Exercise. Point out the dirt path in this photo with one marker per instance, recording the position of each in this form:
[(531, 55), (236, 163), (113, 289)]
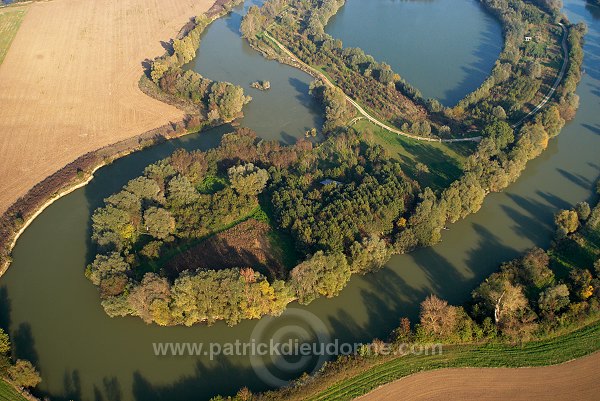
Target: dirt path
[(575, 380), (375, 121), (321, 76), (69, 83), (557, 82)]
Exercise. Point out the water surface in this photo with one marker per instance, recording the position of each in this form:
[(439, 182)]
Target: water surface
[(56, 320), (445, 48), (284, 112)]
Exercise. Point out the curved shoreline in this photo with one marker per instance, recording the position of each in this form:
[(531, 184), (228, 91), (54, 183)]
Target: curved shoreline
[(43, 207), (64, 190), (78, 173), (296, 62)]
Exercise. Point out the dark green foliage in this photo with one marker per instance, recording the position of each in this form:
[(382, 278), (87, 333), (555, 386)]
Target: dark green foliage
[(370, 194), (21, 373), (337, 110), (190, 196)]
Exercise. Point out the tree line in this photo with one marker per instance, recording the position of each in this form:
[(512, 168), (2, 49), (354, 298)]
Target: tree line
[(518, 75), (299, 25), (21, 373), (537, 296), (340, 228), (516, 79), (214, 101)]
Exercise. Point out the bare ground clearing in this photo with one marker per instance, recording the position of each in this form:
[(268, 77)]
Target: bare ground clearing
[(245, 245), (575, 380), (69, 83)]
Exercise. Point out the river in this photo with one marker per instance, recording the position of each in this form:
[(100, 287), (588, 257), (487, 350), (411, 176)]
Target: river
[(53, 310)]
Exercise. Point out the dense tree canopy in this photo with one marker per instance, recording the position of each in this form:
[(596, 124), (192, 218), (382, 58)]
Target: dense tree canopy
[(338, 227)]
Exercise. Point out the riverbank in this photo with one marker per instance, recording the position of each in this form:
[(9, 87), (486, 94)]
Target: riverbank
[(361, 376), (9, 393), (70, 178), (294, 61), (79, 173), (69, 86), (49, 258)]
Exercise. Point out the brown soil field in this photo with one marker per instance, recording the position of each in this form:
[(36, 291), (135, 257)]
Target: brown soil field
[(575, 380), (69, 83), (245, 245)]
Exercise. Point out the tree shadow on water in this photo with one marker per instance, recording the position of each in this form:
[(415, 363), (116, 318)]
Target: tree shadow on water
[(485, 258), (110, 391), (389, 296), (527, 227), (576, 179), (207, 381), (24, 344), (4, 309)]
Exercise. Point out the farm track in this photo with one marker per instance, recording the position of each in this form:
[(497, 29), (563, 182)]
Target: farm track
[(557, 82), (317, 74)]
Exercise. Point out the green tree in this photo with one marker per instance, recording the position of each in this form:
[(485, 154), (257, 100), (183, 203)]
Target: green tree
[(500, 133), (369, 255), (228, 100), (536, 268), (553, 300), (567, 222), (106, 265), (4, 343), (551, 120), (159, 222), (150, 298), (583, 210), (500, 298), (499, 112), (248, 179), (421, 168), (581, 283), (321, 274), (23, 374)]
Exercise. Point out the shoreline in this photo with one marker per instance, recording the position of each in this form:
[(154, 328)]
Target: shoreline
[(43, 207), (65, 185), (78, 173)]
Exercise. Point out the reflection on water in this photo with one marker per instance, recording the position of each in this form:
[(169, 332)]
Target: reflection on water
[(55, 318)]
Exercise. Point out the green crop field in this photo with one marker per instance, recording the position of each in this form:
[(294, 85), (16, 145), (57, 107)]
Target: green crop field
[(10, 20), (536, 353), (8, 393)]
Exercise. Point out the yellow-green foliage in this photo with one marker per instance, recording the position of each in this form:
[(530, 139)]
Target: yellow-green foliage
[(10, 20)]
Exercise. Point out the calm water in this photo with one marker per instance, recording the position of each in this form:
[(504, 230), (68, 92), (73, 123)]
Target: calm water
[(284, 112), (54, 313), (446, 48)]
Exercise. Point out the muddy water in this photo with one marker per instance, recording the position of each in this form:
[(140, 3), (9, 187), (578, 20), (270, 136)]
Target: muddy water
[(56, 320)]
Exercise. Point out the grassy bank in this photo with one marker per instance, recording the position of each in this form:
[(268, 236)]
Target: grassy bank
[(10, 21), (9, 393), (359, 378), (444, 160)]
